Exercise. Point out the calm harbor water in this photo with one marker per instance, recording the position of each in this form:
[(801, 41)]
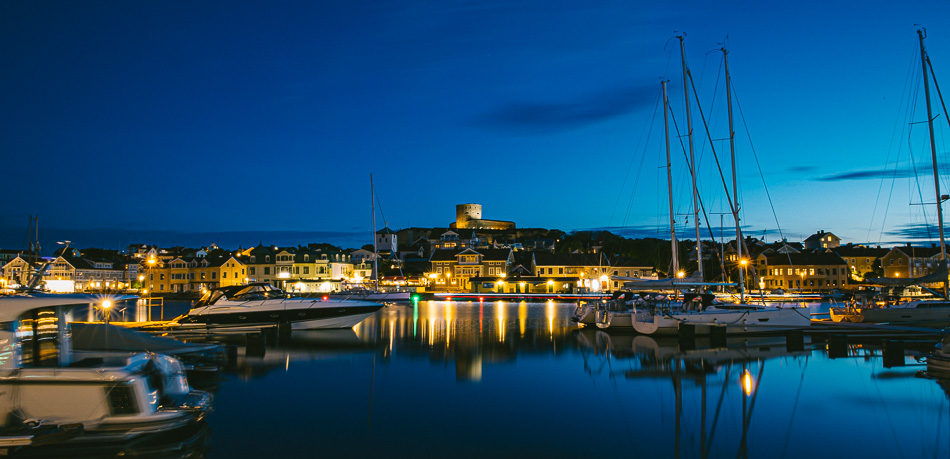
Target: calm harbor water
[(447, 379)]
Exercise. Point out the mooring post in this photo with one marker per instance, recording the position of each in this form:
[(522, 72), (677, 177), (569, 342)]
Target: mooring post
[(837, 345), (893, 353), (795, 341), (687, 336)]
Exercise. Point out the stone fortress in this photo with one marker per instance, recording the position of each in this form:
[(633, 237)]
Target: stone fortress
[(469, 216)]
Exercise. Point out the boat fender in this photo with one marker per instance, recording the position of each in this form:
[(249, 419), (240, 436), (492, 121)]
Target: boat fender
[(174, 381)]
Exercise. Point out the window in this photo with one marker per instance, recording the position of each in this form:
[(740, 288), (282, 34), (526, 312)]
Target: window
[(224, 274), (306, 270), (161, 276), (266, 270), (266, 258), (550, 270), (252, 270), (214, 275)]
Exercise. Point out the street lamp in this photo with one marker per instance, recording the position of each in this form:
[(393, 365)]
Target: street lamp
[(106, 310)]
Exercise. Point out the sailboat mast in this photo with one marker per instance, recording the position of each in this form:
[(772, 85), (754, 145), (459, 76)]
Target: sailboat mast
[(372, 202), (735, 189), (669, 181), (692, 160), (933, 152)]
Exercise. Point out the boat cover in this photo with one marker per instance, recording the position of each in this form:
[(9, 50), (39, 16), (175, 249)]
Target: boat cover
[(106, 337)]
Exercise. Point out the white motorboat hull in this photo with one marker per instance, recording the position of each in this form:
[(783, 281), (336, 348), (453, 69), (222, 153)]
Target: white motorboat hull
[(333, 322)]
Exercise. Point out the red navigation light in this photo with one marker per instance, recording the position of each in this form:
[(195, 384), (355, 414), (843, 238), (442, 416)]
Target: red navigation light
[(481, 298), (325, 297)]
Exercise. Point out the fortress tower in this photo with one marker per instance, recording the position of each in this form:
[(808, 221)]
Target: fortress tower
[(469, 216), (464, 213)]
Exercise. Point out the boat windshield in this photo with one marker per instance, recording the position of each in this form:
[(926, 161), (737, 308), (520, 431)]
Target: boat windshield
[(258, 292)]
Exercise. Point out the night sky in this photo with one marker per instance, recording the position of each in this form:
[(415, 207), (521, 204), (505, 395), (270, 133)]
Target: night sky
[(244, 122)]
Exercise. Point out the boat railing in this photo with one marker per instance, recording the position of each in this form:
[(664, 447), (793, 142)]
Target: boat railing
[(146, 303)]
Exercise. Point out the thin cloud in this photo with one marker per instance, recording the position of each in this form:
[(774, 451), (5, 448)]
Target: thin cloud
[(801, 168), (916, 231), (904, 172), (543, 116)]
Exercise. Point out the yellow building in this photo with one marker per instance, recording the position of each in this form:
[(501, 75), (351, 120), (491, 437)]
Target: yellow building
[(191, 274), (808, 272), (452, 270)]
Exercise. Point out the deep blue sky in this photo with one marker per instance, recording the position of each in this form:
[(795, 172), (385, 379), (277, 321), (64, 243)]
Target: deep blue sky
[(131, 122)]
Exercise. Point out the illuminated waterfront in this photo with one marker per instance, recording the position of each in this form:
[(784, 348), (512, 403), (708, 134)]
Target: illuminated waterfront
[(513, 379)]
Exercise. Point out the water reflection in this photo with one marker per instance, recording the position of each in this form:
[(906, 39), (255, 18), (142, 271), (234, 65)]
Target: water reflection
[(468, 333), (509, 379)]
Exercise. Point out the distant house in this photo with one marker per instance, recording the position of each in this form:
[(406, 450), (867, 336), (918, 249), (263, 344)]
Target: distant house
[(822, 240)]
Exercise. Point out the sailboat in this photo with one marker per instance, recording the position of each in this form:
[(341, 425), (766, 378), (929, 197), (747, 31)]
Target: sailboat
[(374, 294), (701, 311), (920, 312)]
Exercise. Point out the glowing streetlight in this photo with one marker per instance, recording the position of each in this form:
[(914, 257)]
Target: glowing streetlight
[(106, 309)]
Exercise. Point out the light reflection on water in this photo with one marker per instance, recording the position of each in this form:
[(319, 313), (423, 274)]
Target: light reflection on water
[(440, 379)]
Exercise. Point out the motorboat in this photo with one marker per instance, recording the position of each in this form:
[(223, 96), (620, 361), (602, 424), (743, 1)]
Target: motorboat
[(262, 304), (114, 396)]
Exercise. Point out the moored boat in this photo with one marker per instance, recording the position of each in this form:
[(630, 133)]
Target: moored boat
[(114, 396), (260, 304)]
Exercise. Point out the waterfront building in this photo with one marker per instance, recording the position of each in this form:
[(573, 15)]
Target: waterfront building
[(451, 270), (628, 268), (82, 274), (576, 268), (361, 255), (806, 271), (908, 261), (262, 265), (7, 255), (17, 272), (861, 260), (191, 274)]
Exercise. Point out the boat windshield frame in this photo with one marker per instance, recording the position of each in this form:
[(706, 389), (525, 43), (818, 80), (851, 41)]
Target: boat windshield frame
[(244, 292)]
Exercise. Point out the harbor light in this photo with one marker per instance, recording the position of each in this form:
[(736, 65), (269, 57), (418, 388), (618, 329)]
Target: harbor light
[(680, 274)]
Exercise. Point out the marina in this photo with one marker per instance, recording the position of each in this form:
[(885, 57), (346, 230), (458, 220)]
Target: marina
[(522, 375), (608, 230)]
